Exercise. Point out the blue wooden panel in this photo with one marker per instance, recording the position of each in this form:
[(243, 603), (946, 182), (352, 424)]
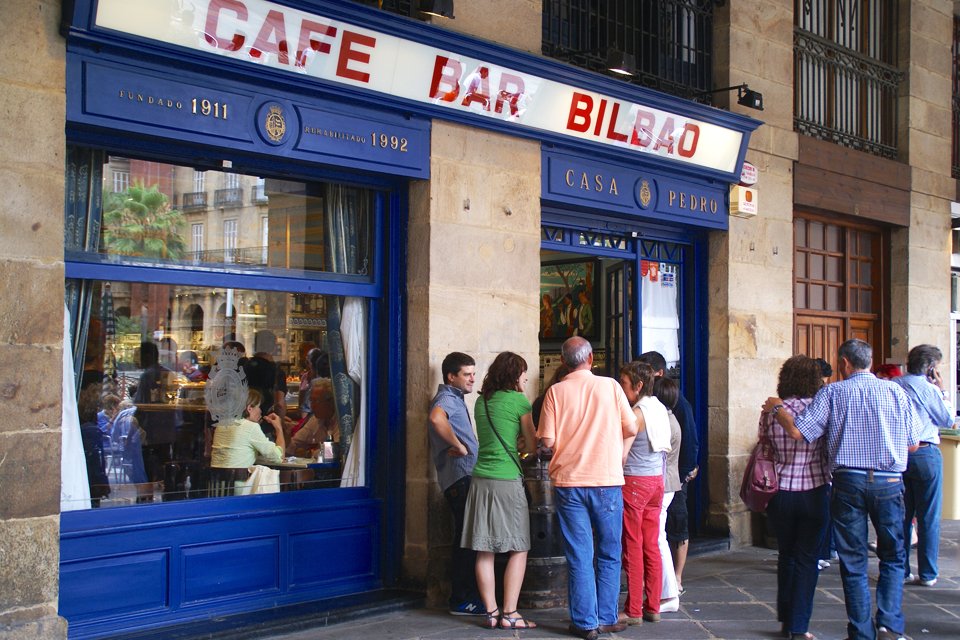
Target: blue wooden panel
[(229, 569), (212, 112), (633, 190), (316, 557), (115, 584), (196, 559)]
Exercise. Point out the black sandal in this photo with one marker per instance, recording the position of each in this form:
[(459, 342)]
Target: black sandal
[(493, 618), (514, 622)]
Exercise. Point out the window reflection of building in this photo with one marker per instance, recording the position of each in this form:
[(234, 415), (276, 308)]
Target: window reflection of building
[(229, 240), (196, 240), (309, 228)]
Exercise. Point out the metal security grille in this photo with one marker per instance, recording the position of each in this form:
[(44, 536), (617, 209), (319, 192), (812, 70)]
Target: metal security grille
[(408, 8), (846, 79), (955, 156), (671, 40)]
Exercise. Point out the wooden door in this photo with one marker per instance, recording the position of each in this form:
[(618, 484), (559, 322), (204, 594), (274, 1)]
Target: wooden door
[(819, 337)]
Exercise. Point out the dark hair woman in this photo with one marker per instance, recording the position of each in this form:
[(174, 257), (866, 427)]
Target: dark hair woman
[(238, 443), (497, 519), (799, 509), (643, 496)]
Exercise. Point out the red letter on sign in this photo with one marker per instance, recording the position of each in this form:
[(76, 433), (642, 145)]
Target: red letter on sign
[(688, 140), (309, 28), (478, 89), (665, 137), (213, 18), (446, 72), (643, 128), (612, 134), (580, 108), (348, 53), (511, 88), (272, 38)]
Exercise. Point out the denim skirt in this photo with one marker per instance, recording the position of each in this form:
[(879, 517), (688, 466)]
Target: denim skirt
[(496, 518)]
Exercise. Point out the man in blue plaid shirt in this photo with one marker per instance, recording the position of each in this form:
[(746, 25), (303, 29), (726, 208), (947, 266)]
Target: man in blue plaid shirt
[(870, 425)]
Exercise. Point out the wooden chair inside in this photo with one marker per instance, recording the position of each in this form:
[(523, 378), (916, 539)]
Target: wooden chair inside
[(223, 481)]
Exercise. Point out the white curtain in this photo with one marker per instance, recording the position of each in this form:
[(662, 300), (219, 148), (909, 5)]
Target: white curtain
[(353, 328), (74, 489)]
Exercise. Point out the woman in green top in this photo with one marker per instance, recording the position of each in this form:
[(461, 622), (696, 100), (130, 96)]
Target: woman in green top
[(497, 519)]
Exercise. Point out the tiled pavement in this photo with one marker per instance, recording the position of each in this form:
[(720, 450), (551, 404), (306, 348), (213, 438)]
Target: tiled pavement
[(729, 595)]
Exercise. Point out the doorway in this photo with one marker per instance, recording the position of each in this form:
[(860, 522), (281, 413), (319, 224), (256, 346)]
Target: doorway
[(628, 291)]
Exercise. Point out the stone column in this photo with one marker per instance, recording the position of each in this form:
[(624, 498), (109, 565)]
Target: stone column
[(751, 266), (31, 310), (472, 285), (473, 276), (920, 254)]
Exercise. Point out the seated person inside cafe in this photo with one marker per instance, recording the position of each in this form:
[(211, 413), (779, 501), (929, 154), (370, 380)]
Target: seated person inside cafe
[(320, 426), (238, 443)]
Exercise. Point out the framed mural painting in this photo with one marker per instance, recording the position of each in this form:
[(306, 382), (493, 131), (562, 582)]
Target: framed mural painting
[(568, 300)]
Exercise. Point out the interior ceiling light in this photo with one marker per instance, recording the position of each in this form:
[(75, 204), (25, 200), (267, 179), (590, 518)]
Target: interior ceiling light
[(440, 8), (621, 63)]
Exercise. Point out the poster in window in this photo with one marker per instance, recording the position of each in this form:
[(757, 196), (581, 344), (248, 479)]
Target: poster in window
[(568, 300)]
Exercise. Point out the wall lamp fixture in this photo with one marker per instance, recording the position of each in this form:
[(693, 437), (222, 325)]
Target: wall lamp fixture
[(746, 96), (440, 8)]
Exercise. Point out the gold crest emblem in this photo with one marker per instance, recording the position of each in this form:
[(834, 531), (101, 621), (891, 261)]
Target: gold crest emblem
[(275, 124), (645, 193)]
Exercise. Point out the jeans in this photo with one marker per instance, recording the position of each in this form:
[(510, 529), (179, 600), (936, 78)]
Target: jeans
[(463, 575), (800, 519), (857, 496), (923, 494), (592, 516), (642, 500)]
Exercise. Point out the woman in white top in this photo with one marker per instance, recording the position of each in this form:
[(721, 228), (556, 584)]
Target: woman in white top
[(667, 392), (237, 444), (643, 496)]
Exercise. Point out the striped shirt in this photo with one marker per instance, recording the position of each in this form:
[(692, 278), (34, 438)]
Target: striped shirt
[(868, 423), (801, 465)]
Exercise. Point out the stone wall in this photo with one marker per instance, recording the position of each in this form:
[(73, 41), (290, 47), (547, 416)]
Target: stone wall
[(473, 276), (920, 255), (31, 310), (751, 265), (514, 23), (472, 285)]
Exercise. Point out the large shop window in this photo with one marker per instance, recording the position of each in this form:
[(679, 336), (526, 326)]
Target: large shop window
[(183, 340)]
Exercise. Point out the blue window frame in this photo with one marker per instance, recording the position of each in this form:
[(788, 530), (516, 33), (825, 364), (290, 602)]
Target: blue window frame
[(280, 288)]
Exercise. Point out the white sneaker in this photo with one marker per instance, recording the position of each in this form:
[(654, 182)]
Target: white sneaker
[(823, 564), (912, 579)]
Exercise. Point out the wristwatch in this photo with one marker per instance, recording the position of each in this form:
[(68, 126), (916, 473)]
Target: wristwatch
[(776, 409)]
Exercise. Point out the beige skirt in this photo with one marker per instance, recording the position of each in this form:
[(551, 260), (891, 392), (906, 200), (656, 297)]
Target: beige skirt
[(496, 517)]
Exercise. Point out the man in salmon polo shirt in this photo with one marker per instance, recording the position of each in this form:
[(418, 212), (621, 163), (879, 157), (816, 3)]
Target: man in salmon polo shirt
[(588, 422)]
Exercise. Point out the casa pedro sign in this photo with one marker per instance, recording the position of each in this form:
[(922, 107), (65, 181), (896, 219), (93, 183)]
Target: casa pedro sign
[(279, 37)]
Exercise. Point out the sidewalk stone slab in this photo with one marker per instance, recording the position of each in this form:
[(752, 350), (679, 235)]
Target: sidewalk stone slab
[(730, 596)]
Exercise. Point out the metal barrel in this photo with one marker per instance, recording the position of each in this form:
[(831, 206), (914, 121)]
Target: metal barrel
[(545, 581)]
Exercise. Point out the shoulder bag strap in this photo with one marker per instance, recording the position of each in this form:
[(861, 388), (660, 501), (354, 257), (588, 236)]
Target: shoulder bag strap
[(496, 433), (766, 441)]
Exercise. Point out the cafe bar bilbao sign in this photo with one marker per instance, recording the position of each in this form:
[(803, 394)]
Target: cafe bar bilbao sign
[(279, 37)]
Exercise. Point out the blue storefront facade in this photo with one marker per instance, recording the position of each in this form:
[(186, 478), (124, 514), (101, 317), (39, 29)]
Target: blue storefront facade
[(314, 118)]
